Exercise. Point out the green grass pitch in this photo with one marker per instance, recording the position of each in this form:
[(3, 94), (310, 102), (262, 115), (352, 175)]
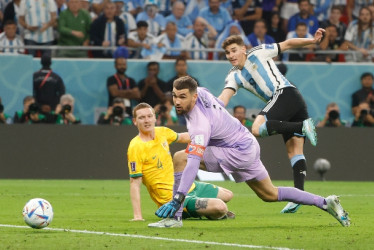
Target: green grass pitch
[(104, 206)]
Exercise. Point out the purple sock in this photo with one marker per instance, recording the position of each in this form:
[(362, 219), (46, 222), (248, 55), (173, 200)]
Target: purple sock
[(177, 180), (300, 197)]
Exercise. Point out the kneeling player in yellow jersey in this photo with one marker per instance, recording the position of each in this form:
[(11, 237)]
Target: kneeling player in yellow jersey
[(150, 163)]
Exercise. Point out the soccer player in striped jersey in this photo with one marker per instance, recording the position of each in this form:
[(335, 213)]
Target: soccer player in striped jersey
[(285, 112), (150, 163)]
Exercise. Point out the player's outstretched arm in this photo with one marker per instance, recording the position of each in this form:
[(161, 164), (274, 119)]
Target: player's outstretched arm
[(135, 184), (183, 138), (301, 42), (226, 95)]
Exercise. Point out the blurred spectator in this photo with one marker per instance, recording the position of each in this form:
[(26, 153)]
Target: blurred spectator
[(48, 87), (156, 22), (65, 110), (11, 12), (363, 102), (342, 4), (269, 7), (1, 13), (334, 19), (127, 18), (140, 39), (304, 16), (247, 12), (332, 117), (289, 8), (354, 8), (193, 8), (227, 4), (216, 15), (61, 6), (171, 40), (122, 86), (165, 7), (364, 117), (240, 112), (32, 113), (321, 9), (74, 27), (152, 89), (10, 38), (38, 27), (371, 8), (115, 114), (166, 114), (183, 23), (200, 39), (86, 5), (134, 7), (233, 28), (259, 35), (360, 37), (300, 32), (275, 28), (4, 118), (181, 68), (22, 116), (98, 6), (107, 30), (330, 42)]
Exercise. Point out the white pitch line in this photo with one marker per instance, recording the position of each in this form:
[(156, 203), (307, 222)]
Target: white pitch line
[(152, 238)]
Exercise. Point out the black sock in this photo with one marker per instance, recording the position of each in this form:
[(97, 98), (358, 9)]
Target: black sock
[(282, 127), (299, 173)]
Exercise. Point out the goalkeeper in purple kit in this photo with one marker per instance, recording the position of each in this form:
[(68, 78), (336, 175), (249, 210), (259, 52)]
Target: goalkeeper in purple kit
[(219, 143)]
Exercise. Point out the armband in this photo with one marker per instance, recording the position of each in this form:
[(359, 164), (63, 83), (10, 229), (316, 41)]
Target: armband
[(197, 150)]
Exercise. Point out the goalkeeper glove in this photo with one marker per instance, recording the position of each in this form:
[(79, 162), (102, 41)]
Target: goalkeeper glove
[(169, 209)]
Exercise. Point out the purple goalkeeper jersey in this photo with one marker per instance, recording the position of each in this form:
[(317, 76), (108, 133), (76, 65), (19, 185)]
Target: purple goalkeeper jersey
[(211, 127), (210, 124)]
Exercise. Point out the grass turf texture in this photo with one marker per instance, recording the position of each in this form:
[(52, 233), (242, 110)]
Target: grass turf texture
[(104, 206)]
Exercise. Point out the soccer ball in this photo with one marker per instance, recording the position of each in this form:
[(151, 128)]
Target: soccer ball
[(38, 213), (322, 165)]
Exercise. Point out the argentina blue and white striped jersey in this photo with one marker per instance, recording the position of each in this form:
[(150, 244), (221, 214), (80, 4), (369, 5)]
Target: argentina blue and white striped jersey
[(259, 75), (192, 42), (17, 41), (129, 22), (37, 13)]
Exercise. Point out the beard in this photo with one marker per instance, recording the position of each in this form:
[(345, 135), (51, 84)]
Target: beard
[(121, 71), (184, 111)]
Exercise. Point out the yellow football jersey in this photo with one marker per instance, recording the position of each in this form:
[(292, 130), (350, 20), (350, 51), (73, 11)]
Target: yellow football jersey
[(152, 160)]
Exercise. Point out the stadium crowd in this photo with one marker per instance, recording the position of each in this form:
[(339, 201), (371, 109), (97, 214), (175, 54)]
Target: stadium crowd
[(155, 29)]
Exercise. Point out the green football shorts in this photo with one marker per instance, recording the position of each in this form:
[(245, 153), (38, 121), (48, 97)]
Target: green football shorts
[(202, 190)]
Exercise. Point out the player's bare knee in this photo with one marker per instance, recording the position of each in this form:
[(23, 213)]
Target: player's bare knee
[(218, 208), (225, 194), (179, 161), (221, 208)]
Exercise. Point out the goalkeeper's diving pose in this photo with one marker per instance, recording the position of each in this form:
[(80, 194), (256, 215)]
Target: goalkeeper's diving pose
[(219, 143)]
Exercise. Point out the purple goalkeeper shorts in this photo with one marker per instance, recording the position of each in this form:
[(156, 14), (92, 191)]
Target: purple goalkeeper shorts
[(243, 163)]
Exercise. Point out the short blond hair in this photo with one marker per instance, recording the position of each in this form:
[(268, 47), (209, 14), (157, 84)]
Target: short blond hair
[(142, 105)]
